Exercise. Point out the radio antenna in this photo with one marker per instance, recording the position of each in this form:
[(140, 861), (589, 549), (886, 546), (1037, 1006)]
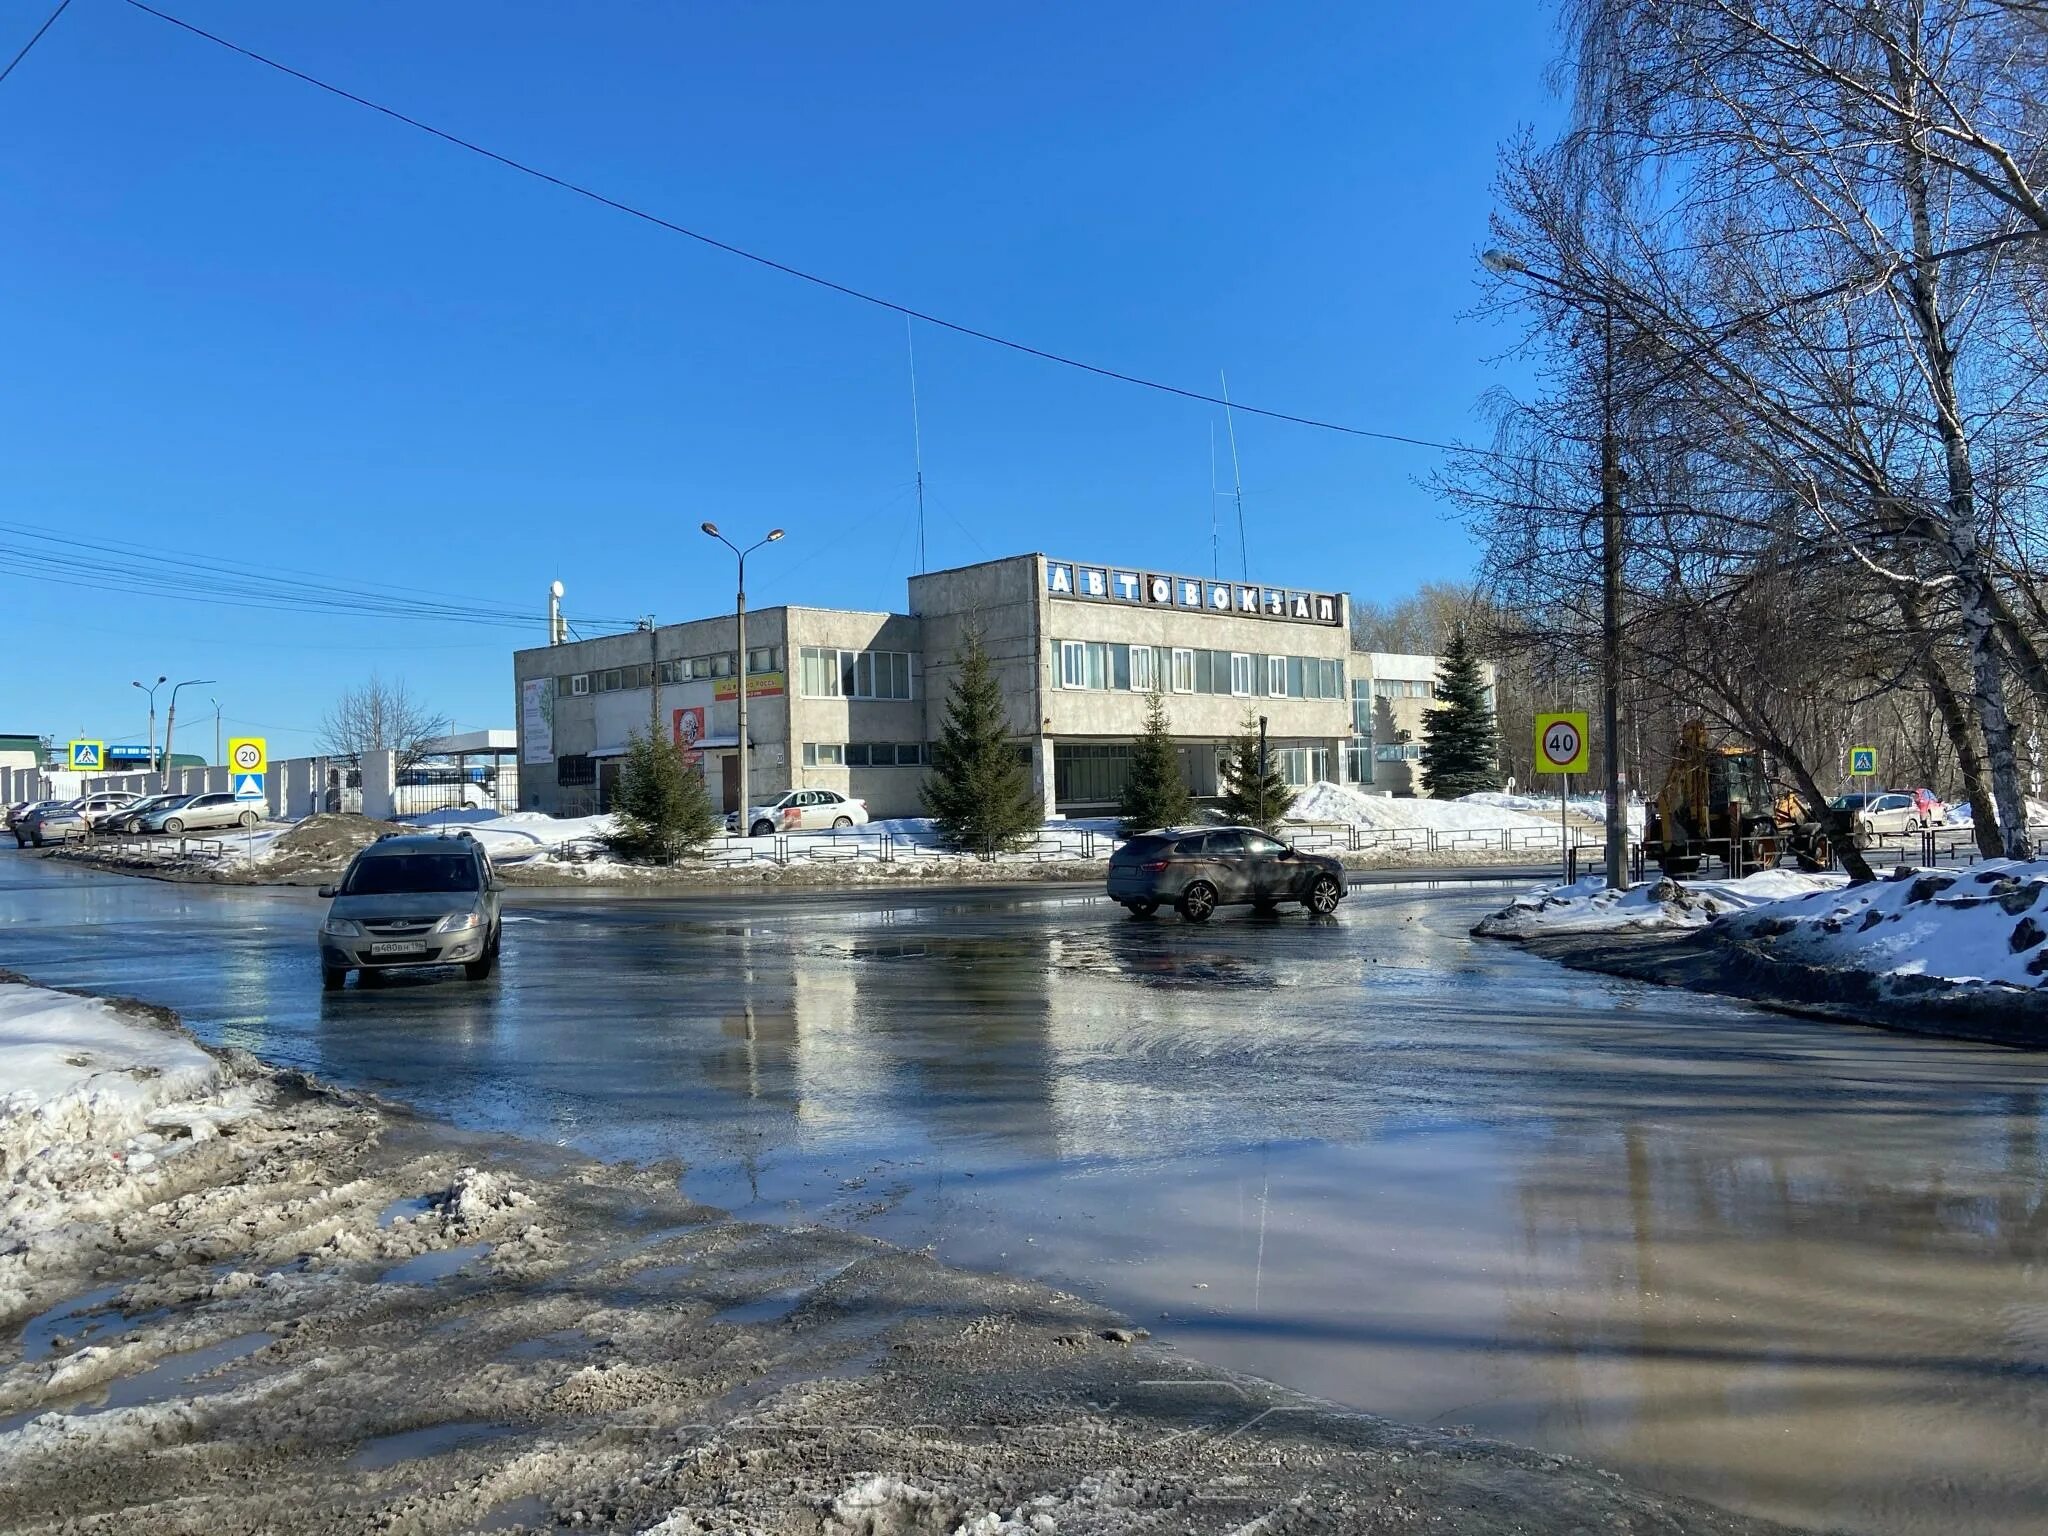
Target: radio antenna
[(1215, 542), (1244, 555), (916, 440)]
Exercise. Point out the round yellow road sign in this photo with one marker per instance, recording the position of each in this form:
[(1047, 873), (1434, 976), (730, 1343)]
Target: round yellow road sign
[(1561, 743), (249, 754)]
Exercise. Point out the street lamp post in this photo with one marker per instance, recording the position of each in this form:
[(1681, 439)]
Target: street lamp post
[(1507, 264), (150, 689), (740, 692), (216, 729), (171, 717)]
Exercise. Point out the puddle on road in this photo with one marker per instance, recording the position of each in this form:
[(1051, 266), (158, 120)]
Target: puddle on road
[(405, 1209), (437, 1265), (774, 1306), (77, 1319), (173, 1377), (430, 1440)]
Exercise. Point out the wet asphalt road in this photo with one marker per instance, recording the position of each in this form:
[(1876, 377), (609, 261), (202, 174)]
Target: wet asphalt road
[(1794, 1268)]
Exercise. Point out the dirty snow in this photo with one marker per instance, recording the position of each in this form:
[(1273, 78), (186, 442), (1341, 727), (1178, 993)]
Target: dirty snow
[(1982, 925), (1590, 907), (1592, 807), (1347, 803)]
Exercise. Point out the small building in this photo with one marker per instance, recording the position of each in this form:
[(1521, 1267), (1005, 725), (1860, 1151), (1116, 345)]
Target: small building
[(851, 701), (1393, 693), (21, 751)]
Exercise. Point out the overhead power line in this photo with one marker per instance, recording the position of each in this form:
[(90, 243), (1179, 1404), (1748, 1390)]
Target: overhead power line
[(830, 284), (48, 22)]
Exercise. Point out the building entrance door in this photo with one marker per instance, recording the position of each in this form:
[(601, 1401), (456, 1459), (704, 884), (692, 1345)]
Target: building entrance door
[(729, 771)]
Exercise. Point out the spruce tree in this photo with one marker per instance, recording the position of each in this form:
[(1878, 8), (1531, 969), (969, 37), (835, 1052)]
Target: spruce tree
[(662, 809), (1458, 736), (1249, 798), (979, 792), (1155, 795)]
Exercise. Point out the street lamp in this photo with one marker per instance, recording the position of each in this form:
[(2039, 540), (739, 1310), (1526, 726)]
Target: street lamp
[(216, 729), (740, 615), (154, 765), (171, 717), (1508, 265)]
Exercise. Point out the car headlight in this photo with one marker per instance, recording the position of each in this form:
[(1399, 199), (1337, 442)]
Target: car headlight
[(342, 928), (459, 922)]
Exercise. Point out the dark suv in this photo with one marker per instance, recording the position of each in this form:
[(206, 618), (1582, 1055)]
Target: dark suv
[(412, 900), (1197, 870)]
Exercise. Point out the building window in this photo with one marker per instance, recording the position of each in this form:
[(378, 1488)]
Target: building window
[(1276, 676), (575, 771), (1073, 664), (1085, 773), (828, 673), (1143, 661), (1406, 752), (824, 754), (1183, 671), (762, 659), (580, 683), (1358, 762), (1361, 714), (1241, 675)]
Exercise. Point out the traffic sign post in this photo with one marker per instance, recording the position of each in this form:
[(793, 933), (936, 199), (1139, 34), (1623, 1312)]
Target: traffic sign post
[(1863, 765), (1561, 747), (88, 756), (249, 754)]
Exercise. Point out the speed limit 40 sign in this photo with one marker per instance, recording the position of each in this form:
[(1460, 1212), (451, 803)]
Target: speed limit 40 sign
[(249, 754), (1561, 743)]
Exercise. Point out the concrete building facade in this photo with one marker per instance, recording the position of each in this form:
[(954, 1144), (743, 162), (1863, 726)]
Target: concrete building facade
[(851, 701)]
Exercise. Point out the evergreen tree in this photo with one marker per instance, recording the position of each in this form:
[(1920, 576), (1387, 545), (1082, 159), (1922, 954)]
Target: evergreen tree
[(1249, 798), (662, 808), (979, 791), (1155, 795), (1459, 740)]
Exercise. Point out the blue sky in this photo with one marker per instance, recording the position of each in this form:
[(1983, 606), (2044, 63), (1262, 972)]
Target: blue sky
[(241, 317)]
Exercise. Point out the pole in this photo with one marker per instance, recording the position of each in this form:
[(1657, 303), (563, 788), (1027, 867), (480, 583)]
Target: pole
[(1610, 615), (653, 682), (1262, 763), (740, 617), (216, 730), (1564, 835)]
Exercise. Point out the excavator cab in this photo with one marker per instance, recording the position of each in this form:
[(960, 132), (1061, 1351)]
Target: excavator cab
[(1716, 803)]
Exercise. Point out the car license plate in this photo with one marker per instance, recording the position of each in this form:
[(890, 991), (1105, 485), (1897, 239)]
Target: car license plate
[(399, 947)]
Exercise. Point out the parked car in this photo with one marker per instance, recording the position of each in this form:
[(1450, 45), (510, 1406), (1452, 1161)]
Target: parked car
[(1895, 812), (57, 820), (802, 810), (201, 813), (130, 819), (412, 899), (106, 807), (1195, 870), (19, 813)]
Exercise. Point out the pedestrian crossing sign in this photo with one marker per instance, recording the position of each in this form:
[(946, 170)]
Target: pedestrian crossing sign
[(248, 786), (1863, 762), (88, 756)]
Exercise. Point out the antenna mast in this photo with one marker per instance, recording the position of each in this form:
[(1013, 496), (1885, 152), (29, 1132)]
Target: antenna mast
[(1244, 555), (916, 439), (1215, 543)]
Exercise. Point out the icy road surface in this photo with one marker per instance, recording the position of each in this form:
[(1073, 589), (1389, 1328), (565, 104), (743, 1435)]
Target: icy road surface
[(1796, 1269)]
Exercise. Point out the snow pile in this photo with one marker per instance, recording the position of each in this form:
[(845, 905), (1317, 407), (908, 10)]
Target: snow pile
[(510, 836), (92, 1103), (1986, 925), (1593, 807), (1343, 802), (1590, 907)]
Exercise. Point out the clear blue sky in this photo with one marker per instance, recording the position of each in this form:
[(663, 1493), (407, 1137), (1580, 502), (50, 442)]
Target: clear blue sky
[(239, 315)]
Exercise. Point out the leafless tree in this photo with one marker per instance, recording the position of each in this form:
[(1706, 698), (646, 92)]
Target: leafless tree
[(381, 717)]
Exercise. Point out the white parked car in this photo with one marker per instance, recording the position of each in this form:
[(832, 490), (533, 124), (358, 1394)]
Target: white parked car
[(204, 813), (802, 810), (1887, 815)]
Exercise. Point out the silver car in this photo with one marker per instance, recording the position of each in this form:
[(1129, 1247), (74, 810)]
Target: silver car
[(131, 819), (61, 820), (202, 813), (412, 899)]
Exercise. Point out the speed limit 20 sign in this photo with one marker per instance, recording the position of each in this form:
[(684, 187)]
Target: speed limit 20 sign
[(249, 754), (1561, 743)]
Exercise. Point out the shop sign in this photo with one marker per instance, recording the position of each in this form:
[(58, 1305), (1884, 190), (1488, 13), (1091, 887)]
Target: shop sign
[(760, 685), (1151, 589)]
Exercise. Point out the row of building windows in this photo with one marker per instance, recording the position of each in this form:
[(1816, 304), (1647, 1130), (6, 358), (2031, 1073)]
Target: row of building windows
[(1402, 688), (760, 659), (1144, 668), (864, 754), (835, 674)]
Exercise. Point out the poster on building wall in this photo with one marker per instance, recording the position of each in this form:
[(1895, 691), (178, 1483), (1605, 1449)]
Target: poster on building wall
[(760, 685), (537, 720), (689, 725)]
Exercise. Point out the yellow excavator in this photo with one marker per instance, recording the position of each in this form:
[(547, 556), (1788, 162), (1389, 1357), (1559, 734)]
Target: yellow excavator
[(1717, 803)]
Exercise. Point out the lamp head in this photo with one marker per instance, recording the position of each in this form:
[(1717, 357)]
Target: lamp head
[(712, 529), (555, 588), (1505, 263), (774, 534)]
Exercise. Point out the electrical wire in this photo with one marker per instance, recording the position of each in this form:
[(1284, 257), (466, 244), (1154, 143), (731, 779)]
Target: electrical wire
[(830, 284), (48, 22)]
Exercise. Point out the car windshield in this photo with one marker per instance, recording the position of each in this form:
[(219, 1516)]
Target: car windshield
[(394, 874), (1850, 802)]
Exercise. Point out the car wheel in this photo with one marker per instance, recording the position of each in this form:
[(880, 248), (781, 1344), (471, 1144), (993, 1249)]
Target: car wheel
[(333, 977), (38, 839), (763, 829), (175, 827), (248, 818), (1197, 902), (1324, 895), (1142, 908), (843, 824)]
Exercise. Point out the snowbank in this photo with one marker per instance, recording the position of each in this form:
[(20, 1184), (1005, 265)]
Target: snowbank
[(1594, 807), (1986, 925), (1343, 802), (510, 836), (1590, 907)]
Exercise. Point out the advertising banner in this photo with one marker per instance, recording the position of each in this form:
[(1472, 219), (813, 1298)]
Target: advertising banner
[(760, 685), (689, 724), (537, 720)]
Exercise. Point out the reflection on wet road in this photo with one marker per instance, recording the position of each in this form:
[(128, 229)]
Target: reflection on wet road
[(1793, 1268)]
